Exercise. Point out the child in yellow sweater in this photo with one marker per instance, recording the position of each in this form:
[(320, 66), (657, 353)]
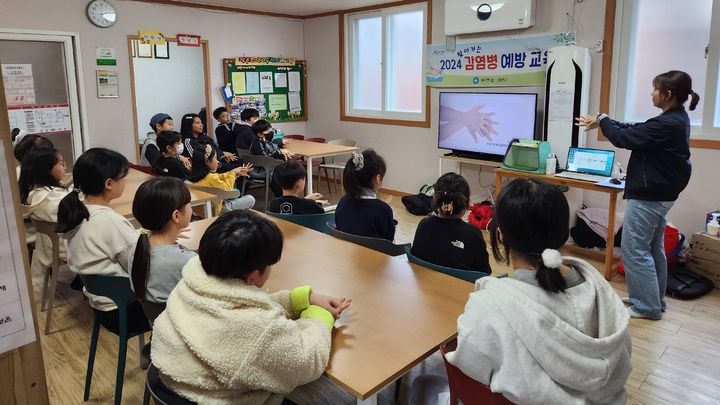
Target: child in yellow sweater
[(204, 173)]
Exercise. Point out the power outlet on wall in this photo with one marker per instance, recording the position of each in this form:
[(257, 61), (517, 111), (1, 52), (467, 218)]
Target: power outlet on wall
[(599, 46)]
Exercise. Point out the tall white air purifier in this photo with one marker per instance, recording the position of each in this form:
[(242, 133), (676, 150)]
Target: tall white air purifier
[(567, 90)]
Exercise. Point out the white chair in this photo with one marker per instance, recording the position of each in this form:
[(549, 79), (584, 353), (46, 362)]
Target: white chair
[(335, 166)]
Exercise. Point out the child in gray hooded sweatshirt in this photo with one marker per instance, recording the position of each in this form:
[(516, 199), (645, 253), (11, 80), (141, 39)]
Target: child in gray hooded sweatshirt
[(554, 332)]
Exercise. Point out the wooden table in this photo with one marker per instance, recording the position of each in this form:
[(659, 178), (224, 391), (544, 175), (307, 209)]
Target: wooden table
[(586, 185), (135, 178), (400, 314), (311, 150)]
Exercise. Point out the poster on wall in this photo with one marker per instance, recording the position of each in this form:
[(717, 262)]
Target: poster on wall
[(19, 84), (16, 322), (239, 103), (40, 119), (518, 61), (107, 84)]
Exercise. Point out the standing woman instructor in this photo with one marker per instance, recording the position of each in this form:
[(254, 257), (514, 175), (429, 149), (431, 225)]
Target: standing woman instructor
[(659, 169)]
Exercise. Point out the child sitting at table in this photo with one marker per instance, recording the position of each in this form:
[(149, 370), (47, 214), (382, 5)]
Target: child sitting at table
[(98, 238), (26, 144), (555, 331), (291, 176), (359, 212), (41, 176), (444, 238), (162, 206), (224, 339), (168, 164), (204, 173)]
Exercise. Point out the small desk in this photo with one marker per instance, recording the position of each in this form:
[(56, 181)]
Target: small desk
[(135, 178), (400, 314), (586, 185), (459, 160), (311, 150)]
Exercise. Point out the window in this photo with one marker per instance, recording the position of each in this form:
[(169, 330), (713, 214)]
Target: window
[(654, 36), (383, 65)]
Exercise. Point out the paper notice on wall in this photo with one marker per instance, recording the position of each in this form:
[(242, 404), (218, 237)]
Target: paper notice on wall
[(253, 82), (266, 82), (238, 82), (107, 84), (281, 80), (277, 102), (560, 105), (294, 101), (40, 119), (294, 79), (19, 84), (16, 323)]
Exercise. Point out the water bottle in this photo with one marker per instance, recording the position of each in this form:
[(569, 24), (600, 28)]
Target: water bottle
[(550, 163)]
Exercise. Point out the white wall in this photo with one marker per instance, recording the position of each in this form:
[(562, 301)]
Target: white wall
[(411, 153), (153, 95), (229, 35)]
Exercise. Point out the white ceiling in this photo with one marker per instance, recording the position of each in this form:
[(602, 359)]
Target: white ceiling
[(294, 7)]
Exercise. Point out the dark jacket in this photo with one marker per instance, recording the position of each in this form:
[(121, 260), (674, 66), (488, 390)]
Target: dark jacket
[(659, 167), (226, 135), (245, 137)]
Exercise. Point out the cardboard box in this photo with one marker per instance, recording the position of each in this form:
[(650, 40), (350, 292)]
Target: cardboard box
[(704, 268), (704, 246)]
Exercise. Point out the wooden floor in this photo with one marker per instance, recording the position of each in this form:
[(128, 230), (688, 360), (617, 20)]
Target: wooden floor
[(675, 360)]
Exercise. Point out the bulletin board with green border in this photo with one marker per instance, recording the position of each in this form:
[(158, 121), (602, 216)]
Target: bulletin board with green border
[(250, 79)]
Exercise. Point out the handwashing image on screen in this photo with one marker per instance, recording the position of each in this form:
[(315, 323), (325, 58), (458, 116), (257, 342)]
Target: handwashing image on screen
[(485, 122)]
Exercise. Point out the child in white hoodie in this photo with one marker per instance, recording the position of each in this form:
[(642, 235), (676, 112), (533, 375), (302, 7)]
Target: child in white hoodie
[(554, 332), (223, 339)]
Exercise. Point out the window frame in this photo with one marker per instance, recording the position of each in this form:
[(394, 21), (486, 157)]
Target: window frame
[(616, 49), (347, 112)]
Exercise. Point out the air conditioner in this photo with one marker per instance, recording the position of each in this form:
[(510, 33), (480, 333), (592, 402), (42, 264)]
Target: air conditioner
[(470, 16)]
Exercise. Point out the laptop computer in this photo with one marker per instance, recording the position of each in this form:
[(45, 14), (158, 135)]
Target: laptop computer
[(588, 164)]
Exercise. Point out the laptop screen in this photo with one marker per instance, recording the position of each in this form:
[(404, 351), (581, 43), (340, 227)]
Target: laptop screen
[(591, 161)]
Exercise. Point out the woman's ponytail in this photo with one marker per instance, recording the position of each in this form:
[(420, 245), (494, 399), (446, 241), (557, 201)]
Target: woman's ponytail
[(71, 212), (141, 265), (694, 100)]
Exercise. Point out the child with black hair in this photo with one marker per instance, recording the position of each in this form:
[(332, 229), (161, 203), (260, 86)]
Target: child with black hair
[(223, 338), (444, 238), (168, 164), (359, 212), (150, 152), (41, 176), (291, 177), (27, 143), (204, 173), (262, 144), (162, 206), (554, 332), (227, 132), (98, 238)]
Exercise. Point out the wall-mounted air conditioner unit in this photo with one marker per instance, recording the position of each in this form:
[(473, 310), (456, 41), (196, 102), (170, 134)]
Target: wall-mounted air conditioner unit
[(470, 16)]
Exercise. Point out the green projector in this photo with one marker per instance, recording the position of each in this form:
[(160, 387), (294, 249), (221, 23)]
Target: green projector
[(526, 155)]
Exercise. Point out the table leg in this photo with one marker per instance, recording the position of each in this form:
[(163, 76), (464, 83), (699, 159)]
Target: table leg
[(208, 209), (498, 185), (440, 173), (610, 237), (309, 185)]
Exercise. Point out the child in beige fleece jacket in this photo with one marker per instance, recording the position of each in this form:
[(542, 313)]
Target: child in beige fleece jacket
[(223, 339)]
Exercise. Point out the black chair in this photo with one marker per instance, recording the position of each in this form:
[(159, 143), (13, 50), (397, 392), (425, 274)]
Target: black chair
[(379, 244), (266, 163), (161, 394)]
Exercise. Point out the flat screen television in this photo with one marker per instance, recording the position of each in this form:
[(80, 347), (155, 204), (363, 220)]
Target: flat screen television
[(481, 125)]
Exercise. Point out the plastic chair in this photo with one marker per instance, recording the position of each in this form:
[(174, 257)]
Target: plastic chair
[(152, 310), (335, 166), (145, 169), (466, 275), (317, 222), (379, 244), (119, 291), (298, 137), (464, 388), (160, 394), (219, 193), (48, 229), (266, 163)]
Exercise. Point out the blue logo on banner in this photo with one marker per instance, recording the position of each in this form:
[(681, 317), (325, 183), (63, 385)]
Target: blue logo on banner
[(476, 80)]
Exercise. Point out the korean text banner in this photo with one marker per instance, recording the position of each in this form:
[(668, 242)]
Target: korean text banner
[(519, 61)]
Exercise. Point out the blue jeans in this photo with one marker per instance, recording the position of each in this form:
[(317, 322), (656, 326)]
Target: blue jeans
[(643, 248)]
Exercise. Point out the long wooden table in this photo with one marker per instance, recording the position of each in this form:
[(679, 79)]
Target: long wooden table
[(135, 178), (311, 150), (400, 314), (586, 185)]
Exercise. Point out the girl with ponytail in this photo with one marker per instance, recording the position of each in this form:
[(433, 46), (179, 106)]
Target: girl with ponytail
[(658, 171), (98, 238), (552, 332), (444, 238), (162, 206), (359, 212)]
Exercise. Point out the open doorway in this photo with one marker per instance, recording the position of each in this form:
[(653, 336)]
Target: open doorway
[(167, 78)]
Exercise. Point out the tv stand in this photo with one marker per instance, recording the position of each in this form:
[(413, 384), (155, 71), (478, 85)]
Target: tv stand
[(461, 159)]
